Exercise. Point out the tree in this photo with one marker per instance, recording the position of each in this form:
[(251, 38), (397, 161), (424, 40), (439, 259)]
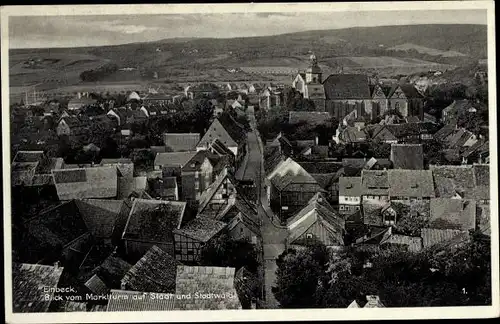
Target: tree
[(433, 152), (225, 251), (300, 276), (142, 158)]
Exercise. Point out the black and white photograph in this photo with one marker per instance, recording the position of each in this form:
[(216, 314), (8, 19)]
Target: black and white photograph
[(249, 161)]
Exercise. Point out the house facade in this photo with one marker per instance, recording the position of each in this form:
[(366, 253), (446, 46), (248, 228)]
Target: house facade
[(349, 194)]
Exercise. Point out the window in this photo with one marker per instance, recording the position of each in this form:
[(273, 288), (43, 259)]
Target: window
[(197, 185), (341, 207), (309, 236), (389, 219)]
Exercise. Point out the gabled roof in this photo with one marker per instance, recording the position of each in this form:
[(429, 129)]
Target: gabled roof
[(218, 147), (310, 117), (347, 86), (207, 195), (201, 229), (447, 213), (233, 128), (317, 210), (195, 163), (410, 183), (216, 130), (58, 226), (81, 183), (154, 220), (178, 142), (154, 272), (296, 183), (407, 156), (410, 243), (408, 89), (137, 301), (175, 159), (28, 284), (246, 220), (273, 156), (373, 301), (216, 280), (450, 180), (350, 186), (100, 215), (354, 304), (351, 134)]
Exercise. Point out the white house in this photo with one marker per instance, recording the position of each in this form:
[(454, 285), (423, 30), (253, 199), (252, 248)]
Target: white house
[(349, 194)]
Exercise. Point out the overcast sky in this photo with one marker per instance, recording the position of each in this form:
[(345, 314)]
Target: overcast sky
[(73, 31)]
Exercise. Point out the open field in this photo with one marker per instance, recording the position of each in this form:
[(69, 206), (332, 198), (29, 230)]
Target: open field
[(425, 50)]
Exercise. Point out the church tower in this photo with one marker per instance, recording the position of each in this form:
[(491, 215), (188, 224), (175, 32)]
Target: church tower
[(313, 72)]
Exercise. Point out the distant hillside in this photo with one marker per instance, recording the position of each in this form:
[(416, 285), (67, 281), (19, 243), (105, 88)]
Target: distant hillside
[(397, 49)]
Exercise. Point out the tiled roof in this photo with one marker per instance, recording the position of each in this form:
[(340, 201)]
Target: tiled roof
[(28, 156), (413, 244), (450, 180), (154, 220), (96, 285), (217, 146), (58, 226), (373, 302), (154, 272), (372, 212), (135, 301), (410, 183), (207, 195), (317, 210), (246, 285), (22, 173), (351, 134), (482, 182), (408, 89), (112, 270), (407, 156), (94, 182), (433, 236), (297, 183), (206, 280), (28, 284), (350, 186), (233, 128), (177, 159), (69, 306), (194, 164), (178, 142), (273, 155), (447, 213), (375, 182), (201, 229), (347, 86), (310, 117), (100, 215)]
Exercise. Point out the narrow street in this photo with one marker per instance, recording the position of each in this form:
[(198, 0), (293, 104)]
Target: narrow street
[(273, 235)]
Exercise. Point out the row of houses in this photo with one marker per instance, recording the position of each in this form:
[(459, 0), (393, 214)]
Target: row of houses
[(156, 242)]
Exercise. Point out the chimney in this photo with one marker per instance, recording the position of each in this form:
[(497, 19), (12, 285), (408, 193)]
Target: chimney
[(79, 95)]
